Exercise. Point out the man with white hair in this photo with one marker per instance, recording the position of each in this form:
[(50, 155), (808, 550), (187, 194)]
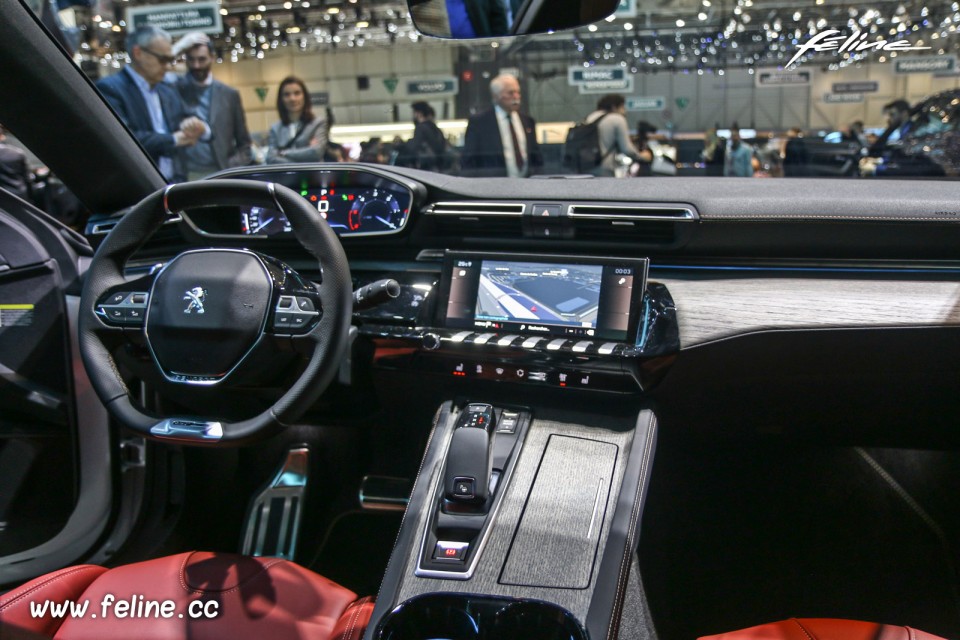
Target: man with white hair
[(151, 109), (215, 103), (501, 141)]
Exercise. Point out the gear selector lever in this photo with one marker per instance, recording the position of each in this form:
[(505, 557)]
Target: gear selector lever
[(466, 479)]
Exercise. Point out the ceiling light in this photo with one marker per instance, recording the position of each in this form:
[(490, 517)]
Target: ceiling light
[(224, 12), (363, 24), (333, 10), (628, 26), (680, 23)]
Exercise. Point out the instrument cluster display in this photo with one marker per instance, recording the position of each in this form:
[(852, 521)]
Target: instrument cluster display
[(353, 202), (347, 211)]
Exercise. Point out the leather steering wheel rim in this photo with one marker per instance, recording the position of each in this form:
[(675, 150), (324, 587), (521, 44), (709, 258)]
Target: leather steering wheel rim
[(330, 336)]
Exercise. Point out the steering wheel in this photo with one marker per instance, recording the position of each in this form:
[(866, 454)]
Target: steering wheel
[(207, 310)]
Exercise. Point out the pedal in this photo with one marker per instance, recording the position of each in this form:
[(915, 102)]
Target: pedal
[(383, 493), (273, 520)]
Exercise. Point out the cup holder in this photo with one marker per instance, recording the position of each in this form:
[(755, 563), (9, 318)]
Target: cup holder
[(448, 616)]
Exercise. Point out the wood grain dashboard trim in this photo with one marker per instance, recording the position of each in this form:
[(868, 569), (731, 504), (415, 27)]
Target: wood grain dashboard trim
[(711, 309)]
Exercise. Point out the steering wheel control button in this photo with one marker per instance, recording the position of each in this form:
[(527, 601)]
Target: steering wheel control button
[(294, 315), (123, 308), (207, 311), (451, 551), (465, 488)]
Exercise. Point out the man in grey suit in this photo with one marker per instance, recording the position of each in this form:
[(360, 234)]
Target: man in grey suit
[(214, 103)]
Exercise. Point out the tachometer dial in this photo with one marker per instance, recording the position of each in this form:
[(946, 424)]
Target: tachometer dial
[(375, 210)]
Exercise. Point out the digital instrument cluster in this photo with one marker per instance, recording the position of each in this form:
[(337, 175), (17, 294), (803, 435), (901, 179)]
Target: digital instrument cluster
[(348, 210)]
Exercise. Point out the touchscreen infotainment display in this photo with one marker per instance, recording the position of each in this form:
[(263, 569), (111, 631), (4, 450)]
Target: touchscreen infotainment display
[(587, 298)]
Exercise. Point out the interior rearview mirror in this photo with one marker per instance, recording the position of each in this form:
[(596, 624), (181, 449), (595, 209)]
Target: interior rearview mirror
[(464, 19)]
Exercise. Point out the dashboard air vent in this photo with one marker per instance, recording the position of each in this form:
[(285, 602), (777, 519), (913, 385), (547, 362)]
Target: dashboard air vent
[(651, 224), (476, 209), (478, 219), (632, 212)]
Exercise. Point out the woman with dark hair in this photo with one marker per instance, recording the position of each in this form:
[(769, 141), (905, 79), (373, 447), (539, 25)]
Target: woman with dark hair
[(300, 136), (613, 133)]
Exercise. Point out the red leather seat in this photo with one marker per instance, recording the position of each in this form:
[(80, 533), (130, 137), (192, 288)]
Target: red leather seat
[(824, 629), (196, 595)]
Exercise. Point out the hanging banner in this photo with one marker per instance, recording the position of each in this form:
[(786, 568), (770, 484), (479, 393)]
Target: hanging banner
[(775, 78), (177, 19), (650, 103), (842, 98)]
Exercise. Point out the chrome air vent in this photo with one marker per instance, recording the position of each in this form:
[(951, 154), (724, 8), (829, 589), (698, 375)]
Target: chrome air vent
[(632, 212), (478, 219), (651, 224), (476, 209)]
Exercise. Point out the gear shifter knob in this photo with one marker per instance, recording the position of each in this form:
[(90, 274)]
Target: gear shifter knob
[(467, 475)]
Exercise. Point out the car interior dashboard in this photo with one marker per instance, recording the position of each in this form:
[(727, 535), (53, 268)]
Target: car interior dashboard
[(552, 329)]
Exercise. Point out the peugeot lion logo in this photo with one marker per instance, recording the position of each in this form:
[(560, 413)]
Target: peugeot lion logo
[(196, 296)]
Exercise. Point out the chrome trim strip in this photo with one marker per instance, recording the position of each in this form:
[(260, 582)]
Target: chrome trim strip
[(187, 430), (476, 208), (166, 199), (684, 214), (103, 228)]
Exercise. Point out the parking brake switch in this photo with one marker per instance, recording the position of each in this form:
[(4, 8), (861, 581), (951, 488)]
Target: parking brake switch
[(469, 460)]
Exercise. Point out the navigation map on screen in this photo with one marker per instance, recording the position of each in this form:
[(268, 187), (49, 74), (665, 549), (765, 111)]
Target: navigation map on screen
[(540, 293)]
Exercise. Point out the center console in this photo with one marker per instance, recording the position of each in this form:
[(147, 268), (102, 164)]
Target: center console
[(521, 524)]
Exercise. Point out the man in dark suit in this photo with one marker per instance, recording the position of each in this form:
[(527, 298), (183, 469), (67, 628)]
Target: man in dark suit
[(216, 104), (150, 108), (501, 141)]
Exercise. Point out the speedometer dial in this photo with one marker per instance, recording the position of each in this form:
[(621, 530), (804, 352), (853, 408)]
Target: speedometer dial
[(257, 221), (376, 210)]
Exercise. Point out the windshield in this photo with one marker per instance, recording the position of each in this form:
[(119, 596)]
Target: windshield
[(751, 88)]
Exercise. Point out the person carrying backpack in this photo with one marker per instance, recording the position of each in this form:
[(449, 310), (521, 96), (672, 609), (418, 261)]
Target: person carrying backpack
[(592, 146), (428, 149)]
